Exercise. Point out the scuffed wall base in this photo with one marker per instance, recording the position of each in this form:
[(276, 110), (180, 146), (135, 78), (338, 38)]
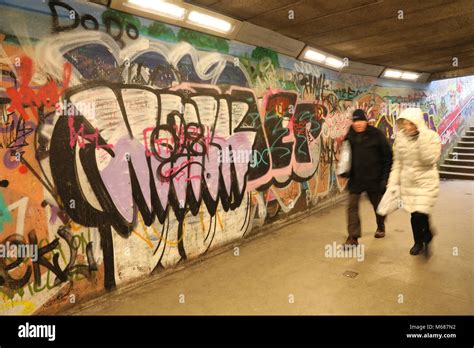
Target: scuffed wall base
[(296, 217), (258, 232)]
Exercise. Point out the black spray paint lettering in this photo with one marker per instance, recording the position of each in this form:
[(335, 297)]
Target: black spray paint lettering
[(62, 275), (225, 185), (171, 161), (311, 85), (89, 22)]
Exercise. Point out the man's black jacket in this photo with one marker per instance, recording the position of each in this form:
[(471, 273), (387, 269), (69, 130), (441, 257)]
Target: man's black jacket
[(371, 160)]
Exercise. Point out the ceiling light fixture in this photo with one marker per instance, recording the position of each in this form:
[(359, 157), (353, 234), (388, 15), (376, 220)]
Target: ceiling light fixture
[(161, 7), (400, 75), (209, 22), (392, 74), (410, 76), (334, 62), (314, 56)]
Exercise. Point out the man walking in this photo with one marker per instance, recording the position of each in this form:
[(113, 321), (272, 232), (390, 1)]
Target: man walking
[(370, 169)]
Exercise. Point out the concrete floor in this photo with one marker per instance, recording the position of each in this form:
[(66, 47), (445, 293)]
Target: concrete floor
[(291, 264)]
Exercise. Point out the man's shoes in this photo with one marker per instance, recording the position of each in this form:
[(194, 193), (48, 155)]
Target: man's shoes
[(416, 249), (379, 234), (351, 242)]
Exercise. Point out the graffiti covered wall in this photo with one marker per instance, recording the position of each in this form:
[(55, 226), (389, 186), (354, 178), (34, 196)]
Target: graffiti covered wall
[(128, 145), (451, 102)]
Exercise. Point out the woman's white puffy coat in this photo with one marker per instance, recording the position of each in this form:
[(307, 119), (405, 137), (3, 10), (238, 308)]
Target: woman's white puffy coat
[(414, 165)]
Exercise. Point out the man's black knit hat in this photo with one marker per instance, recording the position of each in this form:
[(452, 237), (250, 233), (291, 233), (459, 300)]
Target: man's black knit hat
[(359, 115)]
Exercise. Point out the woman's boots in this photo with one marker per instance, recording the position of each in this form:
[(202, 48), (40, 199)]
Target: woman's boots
[(416, 249)]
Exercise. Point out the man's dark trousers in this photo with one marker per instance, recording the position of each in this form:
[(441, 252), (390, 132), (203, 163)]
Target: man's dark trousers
[(353, 211)]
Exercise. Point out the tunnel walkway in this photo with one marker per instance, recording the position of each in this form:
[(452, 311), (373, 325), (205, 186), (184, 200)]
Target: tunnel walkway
[(286, 271)]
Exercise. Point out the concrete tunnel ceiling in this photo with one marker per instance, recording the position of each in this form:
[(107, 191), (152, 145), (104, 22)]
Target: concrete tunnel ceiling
[(427, 39)]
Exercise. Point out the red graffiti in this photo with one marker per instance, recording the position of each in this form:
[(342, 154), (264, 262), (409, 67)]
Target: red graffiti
[(79, 136), (182, 138), (174, 170), (23, 169), (25, 97)]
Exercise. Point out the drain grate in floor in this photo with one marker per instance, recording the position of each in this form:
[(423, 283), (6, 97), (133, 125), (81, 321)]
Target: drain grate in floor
[(350, 274)]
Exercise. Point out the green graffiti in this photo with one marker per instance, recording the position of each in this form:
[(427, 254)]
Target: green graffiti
[(162, 32), (259, 53), (5, 216), (124, 18), (203, 41)]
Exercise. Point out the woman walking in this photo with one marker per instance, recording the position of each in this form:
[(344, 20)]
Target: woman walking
[(417, 150)]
